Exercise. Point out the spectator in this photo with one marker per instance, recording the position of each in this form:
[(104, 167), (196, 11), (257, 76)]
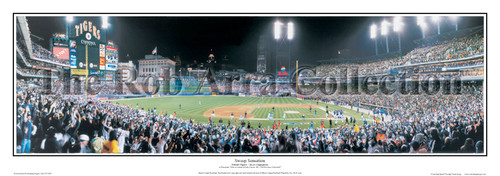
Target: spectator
[(97, 143), (111, 145)]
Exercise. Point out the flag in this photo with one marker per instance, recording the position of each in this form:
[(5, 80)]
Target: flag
[(154, 51)]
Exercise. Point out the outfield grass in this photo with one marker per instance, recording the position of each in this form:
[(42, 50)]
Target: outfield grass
[(190, 108)]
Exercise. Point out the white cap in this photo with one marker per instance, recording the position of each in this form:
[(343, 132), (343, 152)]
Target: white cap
[(84, 137)]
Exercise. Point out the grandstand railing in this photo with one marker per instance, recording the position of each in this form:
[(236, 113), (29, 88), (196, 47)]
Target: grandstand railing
[(20, 72), (472, 78), (464, 67), (23, 25), (443, 61), (20, 53), (50, 62)]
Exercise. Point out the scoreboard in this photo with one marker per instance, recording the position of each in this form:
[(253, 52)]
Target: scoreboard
[(88, 52)]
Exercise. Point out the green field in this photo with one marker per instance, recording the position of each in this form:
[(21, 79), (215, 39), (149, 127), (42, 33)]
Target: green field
[(278, 113), (190, 108)]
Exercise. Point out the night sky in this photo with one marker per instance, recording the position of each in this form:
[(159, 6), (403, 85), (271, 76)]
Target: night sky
[(191, 38)]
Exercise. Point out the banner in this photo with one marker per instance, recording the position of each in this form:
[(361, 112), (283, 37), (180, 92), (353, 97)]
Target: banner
[(59, 44), (78, 72), (60, 41), (72, 52), (102, 50), (111, 67), (102, 55), (111, 58), (73, 61), (95, 72), (102, 63), (61, 53)]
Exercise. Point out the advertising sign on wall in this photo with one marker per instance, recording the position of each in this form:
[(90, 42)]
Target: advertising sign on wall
[(102, 63), (102, 50), (95, 72), (61, 53), (59, 43), (72, 54), (102, 57), (78, 72), (111, 58)]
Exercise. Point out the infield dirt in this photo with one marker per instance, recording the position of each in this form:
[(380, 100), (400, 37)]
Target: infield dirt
[(225, 112)]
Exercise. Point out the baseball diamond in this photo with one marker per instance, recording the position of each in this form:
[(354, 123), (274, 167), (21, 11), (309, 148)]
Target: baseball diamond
[(225, 105)]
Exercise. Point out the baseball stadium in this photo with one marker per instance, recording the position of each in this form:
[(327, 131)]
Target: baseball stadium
[(396, 85)]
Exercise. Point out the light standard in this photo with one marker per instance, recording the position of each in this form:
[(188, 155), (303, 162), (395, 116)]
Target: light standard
[(290, 31), (422, 24), (105, 26), (398, 25), (455, 19), (384, 30), (373, 35), (290, 27), (69, 20), (436, 19), (290, 34), (277, 36)]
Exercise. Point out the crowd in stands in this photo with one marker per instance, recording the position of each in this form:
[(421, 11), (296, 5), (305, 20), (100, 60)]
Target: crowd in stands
[(32, 72), (78, 124), (448, 50), (472, 72), (439, 67), (456, 48), (62, 123), (42, 53)]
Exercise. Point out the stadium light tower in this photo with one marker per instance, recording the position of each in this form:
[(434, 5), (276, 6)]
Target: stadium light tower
[(436, 19), (290, 33), (290, 30), (422, 24), (283, 43), (373, 35), (69, 20), (398, 25), (105, 26), (277, 30), (105, 23), (455, 19), (384, 30)]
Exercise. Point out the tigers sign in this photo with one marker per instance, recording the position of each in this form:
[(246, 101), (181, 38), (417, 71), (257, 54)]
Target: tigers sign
[(89, 29)]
